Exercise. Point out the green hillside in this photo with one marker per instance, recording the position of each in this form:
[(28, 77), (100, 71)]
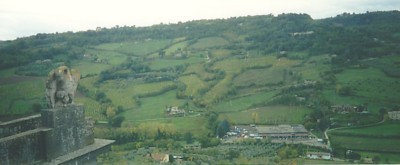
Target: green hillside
[(287, 69)]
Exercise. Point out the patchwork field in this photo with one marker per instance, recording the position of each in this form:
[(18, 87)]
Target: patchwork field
[(18, 98), (269, 115), (135, 48), (209, 42)]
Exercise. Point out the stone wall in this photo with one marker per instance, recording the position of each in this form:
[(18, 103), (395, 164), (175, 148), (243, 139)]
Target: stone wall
[(20, 125), (22, 148), (58, 136)]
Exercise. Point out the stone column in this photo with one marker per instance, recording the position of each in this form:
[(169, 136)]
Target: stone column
[(70, 131)]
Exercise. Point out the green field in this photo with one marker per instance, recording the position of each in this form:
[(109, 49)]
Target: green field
[(124, 92), (135, 48), (258, 77), (92, 107), (269, 115), (243, 103), (112, 57), (382, 137), (167, 63), (7, 73), (376, 85), (17, 98), (387, 129), (200, 71), (194, 124), (175, 48), (152, 107), (193, 85), (220, 53), (240, 64), (365, 143), (87, 68), (209, 43)]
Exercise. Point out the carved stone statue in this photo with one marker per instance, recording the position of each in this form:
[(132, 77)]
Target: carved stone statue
[(61, 86)]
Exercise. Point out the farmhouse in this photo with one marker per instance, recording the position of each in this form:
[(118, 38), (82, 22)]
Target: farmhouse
[(175, 112), (394, 115), (342, 108), (162, 158), (319, 155), (283, 132)]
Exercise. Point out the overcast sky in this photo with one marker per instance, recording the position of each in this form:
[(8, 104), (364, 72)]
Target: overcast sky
[(19, 18)]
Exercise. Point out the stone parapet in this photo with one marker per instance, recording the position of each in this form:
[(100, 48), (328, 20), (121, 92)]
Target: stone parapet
[(19, 125), (58, 136)]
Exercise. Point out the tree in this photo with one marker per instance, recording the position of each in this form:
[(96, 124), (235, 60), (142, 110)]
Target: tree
[(188, 137), (353, 155), (223, 128), (110, 112), (287, 153), (117, 121), (232, 154), (255, 117)]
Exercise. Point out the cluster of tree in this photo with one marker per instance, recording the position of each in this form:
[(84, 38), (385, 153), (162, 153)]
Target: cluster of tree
[(350, 36), (218, 128)]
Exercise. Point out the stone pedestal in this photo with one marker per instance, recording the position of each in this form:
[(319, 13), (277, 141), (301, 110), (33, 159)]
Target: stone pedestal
[(59, 136), (70, 130)]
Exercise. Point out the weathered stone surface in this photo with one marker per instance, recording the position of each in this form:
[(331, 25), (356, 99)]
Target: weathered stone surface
[(64, 136), (70, 131), (23, 148), (86, 155), (19, 125), (61, 86)]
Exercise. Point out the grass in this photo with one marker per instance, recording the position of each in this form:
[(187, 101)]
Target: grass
[(371, 83), (181, 124), (166, 63), (235, 66), (135, 48), (123, 92), (370, 86), (365, 143), (313, 67), (385, 158), (269, 115), (113, 57), (242, 103), (371, 141), (87, 68), (175, 48), (17, 98), (387, 129), (259, 77), (209, 42), (92, 107), (7, 72), (218, 91), (152, 107), (193, 84), (220, 53), (199, 70)]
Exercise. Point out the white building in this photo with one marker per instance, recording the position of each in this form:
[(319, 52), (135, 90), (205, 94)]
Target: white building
[(394, 115), (319, 155)]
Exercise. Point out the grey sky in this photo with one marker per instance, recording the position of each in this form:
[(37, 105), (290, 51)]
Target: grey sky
[(20, 18)]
